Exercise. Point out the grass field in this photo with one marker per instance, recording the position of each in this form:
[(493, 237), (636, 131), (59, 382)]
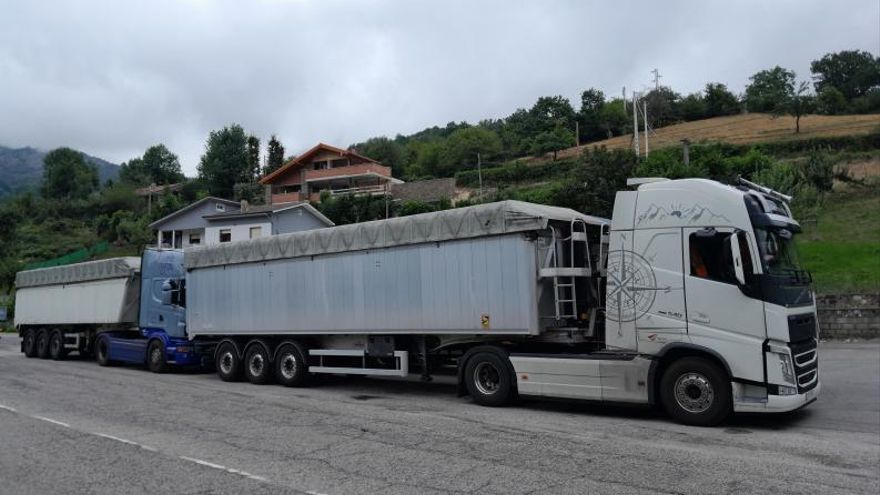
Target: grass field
[(842, 249), (744, 129)]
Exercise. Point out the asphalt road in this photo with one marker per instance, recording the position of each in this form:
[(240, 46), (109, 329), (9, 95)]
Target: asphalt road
[(73, 427)]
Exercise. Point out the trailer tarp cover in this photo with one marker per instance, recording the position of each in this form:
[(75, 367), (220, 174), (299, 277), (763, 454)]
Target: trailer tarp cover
[(79, 272), (503, 217)]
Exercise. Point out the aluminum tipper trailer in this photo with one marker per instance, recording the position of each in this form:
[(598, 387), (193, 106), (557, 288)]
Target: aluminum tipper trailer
[(691, 296)]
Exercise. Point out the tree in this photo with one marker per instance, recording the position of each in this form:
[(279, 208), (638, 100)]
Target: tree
[(852, 72), (692, 107), (830, 101), (461, 148), (799, 103), (613, 119), (555, 140), (592, 101), (275, 157), (158, 165), (663, 106), (549, 112), (719, 100), (225, 162), (770, 90), (67, 175), (253, 157), (383, 150)]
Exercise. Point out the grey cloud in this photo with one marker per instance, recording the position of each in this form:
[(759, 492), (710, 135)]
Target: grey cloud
[(112, 78)]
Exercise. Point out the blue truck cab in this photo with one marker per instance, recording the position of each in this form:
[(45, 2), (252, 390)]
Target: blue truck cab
[(160, 339)]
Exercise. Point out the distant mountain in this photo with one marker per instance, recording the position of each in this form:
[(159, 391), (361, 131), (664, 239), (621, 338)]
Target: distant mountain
[(22, 168)]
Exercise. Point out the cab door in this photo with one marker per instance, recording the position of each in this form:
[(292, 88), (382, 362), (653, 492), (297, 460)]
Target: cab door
[(719, 316)]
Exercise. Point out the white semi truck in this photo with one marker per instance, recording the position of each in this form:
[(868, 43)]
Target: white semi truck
[(690, 297)]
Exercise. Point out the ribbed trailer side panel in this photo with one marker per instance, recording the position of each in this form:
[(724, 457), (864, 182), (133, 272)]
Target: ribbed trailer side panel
[(99, 302), (484, 285)]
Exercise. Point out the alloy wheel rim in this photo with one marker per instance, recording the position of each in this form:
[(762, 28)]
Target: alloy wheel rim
[(487, 378), (694, 392), (288, 366), (256, 365), (226, 363)]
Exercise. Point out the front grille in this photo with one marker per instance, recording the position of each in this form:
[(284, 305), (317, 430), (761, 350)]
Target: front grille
[(805, 357)]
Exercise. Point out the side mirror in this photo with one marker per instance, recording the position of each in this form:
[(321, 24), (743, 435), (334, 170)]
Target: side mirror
[(738, 271), (166, 292)]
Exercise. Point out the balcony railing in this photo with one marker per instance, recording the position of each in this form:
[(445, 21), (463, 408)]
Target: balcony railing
[(350, 171), (287, 197)]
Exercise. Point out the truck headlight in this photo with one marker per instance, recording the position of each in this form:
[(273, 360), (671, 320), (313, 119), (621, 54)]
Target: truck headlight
[(785, 390), (786, 367)]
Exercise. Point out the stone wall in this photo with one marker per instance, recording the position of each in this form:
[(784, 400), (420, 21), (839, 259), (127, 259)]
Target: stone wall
[(849, 316)]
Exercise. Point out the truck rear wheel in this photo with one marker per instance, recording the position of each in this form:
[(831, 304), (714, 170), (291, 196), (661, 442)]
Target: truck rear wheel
[(489, 380), (43, 344), (30, 342), (291, 369), (228, 364), (56, 345), (695, 391), (156, 357), (102, 352), (257, 367)]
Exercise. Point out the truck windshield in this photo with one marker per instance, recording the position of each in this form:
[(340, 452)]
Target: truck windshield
[(784, 282), (778, 252)]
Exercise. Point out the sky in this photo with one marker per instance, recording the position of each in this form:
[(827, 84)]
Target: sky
[(112, 78)]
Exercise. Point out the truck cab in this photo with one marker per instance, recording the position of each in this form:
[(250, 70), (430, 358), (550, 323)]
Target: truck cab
[(701, 269)]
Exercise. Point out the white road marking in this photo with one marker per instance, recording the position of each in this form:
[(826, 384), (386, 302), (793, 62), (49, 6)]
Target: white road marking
[(7, 408), (53, 421), (223, 468), (310, 492), (128, 442)]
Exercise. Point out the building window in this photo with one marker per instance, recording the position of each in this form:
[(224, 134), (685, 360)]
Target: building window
[(219, 207), (256, 232), (225, 235), (711, 257), (195, 238), (321, 165), (342, 162)]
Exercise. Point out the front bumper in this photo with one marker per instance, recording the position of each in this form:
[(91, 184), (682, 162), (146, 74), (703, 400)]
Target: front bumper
[(776, 403)]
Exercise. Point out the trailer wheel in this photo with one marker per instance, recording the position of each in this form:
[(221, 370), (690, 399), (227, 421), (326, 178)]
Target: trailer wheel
[(489, 380), (30, 343), (156, 357), (228, 364), (43, 344), (257, 367), (102, 352), (696, 392), (291, 369), (56, 345)]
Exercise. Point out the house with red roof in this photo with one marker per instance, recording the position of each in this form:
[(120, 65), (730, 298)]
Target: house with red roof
[(326, 168)]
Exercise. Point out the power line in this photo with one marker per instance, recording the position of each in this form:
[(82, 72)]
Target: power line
[(657, 77)]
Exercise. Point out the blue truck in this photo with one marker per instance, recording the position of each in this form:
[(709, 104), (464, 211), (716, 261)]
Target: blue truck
[(690, 297)]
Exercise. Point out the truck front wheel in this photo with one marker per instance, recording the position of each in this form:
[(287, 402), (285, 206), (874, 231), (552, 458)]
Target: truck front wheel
[(695, 391), (489, 380), (156, 357), (56, 345), (43, 344), (102, 352), (228, 364), (30, 343)]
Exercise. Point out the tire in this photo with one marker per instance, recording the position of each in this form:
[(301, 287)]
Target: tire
[(156, 357), (30, 342), (56, 345), (43, 344), (228, 363), (257, 366), (102, 352), (489, 379), (696, 392), (291, 368)]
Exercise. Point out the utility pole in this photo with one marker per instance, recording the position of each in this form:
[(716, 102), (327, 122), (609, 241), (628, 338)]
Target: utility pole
[(480, 175), (577, 133), (636, 146), (624, 99), (645, 118), (657, 77)]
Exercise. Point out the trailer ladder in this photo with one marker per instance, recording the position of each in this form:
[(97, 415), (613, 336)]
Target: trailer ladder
[(565, 270)]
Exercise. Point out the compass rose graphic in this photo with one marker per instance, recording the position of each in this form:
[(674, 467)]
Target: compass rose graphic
[(631, 286)]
